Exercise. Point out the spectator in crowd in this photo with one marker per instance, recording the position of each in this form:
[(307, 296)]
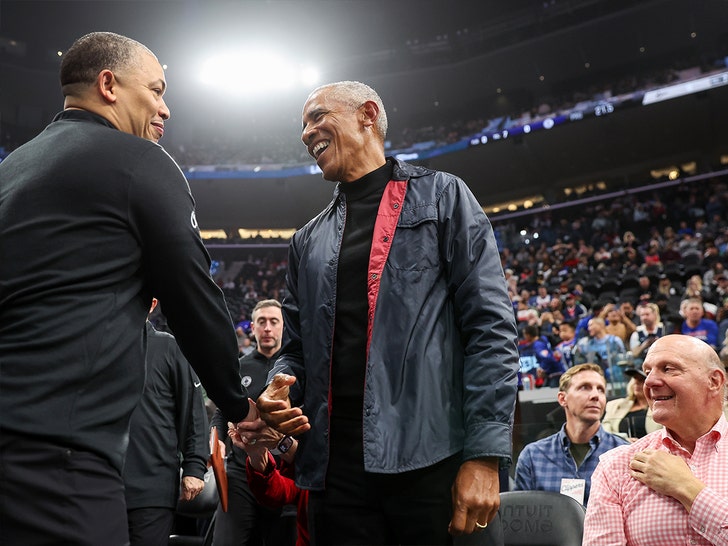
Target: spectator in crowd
[(722, 320), (582, 324), (626, 306), (647, 332), (670, 486), (555, 308), (694, 288), (710, 277), (88, 234), (542, 299), (169, 425), (245, 345), (415, 298), (537, 358), (645, 288), (719, 291), (630, 416), (564, 462), (573, 310), (246, 521), (670, 253), (652, 257), (616, 323), (696, 325), (602, 348), (665, 287), (565, 348)]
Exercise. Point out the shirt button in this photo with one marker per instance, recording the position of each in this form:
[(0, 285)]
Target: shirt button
[(374, 276), (385, 238), (395, 206)]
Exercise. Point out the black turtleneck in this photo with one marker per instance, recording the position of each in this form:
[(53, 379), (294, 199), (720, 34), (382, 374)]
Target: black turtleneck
[(350, 330)]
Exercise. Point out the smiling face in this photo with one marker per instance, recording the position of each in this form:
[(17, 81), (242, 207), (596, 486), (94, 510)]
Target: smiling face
[(684, 385), (139, 107), (340, 136)]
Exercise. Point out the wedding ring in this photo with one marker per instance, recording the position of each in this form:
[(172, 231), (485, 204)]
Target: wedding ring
[(479, 526), (253, 441)]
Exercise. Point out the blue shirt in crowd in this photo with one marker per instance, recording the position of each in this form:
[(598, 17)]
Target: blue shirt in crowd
[(544, 463)]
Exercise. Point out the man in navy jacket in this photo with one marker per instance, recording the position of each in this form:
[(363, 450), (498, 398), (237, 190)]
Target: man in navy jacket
[(401, 339)]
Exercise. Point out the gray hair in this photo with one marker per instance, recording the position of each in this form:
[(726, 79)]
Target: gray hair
[(355, 94)]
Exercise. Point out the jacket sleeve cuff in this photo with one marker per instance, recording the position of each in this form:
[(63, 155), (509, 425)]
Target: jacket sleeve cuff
[(489, 440)]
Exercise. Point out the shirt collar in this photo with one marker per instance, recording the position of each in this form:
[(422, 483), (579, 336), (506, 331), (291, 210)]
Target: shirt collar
[(594, 441), (83, 115), (714, 436)]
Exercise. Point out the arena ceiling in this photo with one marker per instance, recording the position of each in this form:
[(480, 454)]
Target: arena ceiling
[(428, 59)]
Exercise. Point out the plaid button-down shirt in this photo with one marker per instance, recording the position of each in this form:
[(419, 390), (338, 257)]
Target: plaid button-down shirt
[(624, 511), (544, 463)]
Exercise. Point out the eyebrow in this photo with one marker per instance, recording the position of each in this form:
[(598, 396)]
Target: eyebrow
[(311, 114), (160, 82)]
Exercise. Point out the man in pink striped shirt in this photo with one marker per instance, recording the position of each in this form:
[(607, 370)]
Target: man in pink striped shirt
[(671, 486)]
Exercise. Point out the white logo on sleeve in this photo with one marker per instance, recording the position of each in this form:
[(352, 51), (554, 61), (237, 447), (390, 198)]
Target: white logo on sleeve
[(196, 384), (193, 220), (247, 380)]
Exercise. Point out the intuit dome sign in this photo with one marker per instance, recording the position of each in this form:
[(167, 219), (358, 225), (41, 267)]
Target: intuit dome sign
[(541, 517), (521, 518)]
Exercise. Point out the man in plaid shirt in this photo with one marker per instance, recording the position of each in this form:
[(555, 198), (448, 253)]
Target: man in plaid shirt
[(564, 462), (671, 486)]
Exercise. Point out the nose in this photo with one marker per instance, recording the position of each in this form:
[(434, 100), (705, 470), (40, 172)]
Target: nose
[(307, 135), (651, 380), (164, 111)]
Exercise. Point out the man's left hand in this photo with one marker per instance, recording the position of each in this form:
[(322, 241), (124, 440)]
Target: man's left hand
[(475, 495), (191, 487), (667, 474)]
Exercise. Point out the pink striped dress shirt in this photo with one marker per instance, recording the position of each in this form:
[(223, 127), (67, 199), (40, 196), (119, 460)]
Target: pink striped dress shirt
[(624, 512)]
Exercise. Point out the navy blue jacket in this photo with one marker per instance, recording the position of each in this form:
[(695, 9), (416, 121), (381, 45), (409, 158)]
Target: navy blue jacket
[(442, 357)]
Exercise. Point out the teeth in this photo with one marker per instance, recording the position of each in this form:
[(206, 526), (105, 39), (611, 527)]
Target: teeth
[(320, 147)]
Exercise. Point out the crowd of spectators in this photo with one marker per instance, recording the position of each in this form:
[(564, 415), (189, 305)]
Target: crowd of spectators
[(261, 148), (270, 146), (609, 256)]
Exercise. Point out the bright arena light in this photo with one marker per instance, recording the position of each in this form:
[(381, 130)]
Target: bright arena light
[(256, 72)]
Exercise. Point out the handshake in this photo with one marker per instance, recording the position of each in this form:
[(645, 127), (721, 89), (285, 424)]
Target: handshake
[(270, 419)]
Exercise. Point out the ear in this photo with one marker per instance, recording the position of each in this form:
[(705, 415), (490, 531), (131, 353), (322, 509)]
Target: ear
[(561, 398), (717, 380), (370, 112), (106, 85)]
